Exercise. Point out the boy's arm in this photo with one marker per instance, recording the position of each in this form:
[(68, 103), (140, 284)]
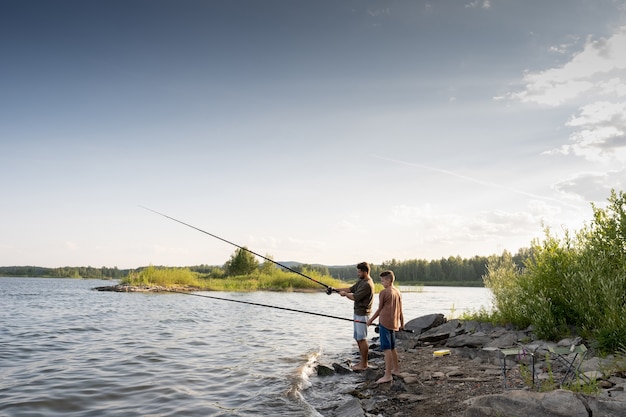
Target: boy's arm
[(369, 322), (381, 303)]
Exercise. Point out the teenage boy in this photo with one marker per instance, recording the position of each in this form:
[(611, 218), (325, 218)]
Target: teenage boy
[(390, 321)]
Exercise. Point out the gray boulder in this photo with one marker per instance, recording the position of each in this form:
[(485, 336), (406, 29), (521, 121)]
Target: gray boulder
[(424, 323), (351, 408), (558, 403)]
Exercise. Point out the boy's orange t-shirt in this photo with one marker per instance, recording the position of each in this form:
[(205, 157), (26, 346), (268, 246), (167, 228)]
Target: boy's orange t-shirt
[(390, 304)]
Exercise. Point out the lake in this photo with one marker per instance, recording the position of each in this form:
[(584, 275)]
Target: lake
[(68, 350)]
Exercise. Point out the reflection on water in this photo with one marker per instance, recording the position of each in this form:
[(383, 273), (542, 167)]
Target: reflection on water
[(67, 349)]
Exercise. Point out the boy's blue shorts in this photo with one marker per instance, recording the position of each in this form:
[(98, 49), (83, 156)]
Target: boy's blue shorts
[(387, 338)]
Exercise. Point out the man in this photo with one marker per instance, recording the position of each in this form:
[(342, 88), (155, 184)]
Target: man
[(390, 321), (362, 293)]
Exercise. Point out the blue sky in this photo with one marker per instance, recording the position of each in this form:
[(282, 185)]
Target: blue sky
[(322, 132)]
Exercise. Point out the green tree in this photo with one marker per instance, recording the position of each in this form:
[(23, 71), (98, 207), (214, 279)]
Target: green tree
[(241, 262), (268, 267)]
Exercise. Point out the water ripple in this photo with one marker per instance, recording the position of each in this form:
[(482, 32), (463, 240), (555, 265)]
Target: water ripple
[(68, 350)]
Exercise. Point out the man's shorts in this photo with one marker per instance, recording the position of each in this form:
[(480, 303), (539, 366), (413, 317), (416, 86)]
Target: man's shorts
[(387, 338), (360, 329)]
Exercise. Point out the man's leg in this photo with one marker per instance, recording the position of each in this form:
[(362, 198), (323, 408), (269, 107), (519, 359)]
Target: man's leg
[(363, 350), (360, 335)]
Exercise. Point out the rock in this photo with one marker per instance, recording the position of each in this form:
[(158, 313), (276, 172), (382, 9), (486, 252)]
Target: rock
[(323, 370), (470, 326), (468, 340), (604, 384), (591, 376), (370, 374), (558, 403), (440, 333), (144, 288), (527, 403), (424, 323), (341, 369), (570, 342), (351, 408), (411, 379), (506, 340), (412, 398)]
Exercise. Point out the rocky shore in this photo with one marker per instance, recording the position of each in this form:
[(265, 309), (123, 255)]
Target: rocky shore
[(144, 288), (466, 376)]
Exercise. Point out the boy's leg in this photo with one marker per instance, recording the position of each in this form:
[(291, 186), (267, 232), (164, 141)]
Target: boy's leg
[(395, 365), (387, 347), (387, 377)]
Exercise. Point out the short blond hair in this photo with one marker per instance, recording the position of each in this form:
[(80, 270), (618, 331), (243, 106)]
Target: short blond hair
[(388, 274)]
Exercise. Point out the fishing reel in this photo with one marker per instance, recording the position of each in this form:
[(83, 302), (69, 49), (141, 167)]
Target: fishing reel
[(329, 290)]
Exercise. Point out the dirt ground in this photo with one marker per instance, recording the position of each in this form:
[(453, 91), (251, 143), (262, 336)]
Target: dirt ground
[(431, 386)]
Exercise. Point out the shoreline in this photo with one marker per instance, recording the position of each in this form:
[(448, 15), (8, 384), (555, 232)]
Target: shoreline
[(469, 382)]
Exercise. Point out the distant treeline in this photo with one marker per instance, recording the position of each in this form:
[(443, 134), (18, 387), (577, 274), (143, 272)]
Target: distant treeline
[(444, 271), (452, 270), (64, 272)]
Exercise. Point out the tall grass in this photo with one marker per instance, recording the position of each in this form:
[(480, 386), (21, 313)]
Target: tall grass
[(164, 277), (269, 280)]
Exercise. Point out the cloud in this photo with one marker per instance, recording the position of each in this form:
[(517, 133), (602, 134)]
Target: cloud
[(594, 82), (593, 186), (434, 226), (601, 63), (485, 4), (379, 12), (599, 133)]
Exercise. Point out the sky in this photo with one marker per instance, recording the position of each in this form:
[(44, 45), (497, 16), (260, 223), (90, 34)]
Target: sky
[(324, 132)]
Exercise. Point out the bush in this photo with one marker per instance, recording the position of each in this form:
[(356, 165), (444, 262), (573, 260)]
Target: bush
[(575, 283)]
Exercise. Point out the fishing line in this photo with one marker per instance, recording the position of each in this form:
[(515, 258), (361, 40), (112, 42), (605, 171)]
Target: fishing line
[(279, 308), (329, 289), (269, 306)]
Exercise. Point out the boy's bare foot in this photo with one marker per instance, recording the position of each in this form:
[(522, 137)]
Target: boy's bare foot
[(385, 379), (359, 367)]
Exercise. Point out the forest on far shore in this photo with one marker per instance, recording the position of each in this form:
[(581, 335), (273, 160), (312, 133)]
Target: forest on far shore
[(444, 271)]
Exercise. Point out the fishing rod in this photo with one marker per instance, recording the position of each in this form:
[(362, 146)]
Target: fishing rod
[(329, 289), (280, 308)]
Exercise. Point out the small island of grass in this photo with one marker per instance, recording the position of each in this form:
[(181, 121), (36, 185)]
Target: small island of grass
[(271, 280)]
